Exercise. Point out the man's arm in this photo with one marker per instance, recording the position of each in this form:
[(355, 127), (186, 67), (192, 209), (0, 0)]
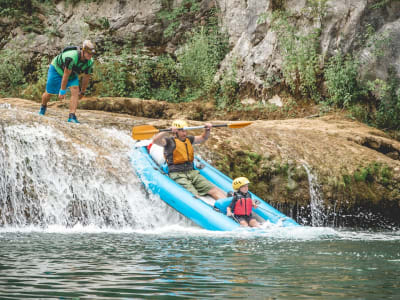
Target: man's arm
[(159, 139), (64, 82), (204, 137)]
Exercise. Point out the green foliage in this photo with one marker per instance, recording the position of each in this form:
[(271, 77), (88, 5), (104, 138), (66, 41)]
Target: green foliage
[(113, 74), (74, 2), (388, 94), (381, 3), (15, 8), (316, 9), (157, 78), (300, 56), (12, 72), (377, 41), (175, 16), (373, 172), (197, 64), (227, 94), (359, 112), (36, 89), (188, 77), (341, 80), (104, 23), (199, 60), (97, 22)]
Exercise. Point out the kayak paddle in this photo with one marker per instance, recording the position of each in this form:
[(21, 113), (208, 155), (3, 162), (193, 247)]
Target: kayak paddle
[(144, 132)]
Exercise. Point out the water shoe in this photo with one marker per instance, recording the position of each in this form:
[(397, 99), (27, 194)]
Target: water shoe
[(72, 119), (42, 110)]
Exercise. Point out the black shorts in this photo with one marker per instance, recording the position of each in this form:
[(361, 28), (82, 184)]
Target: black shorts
[(245, 218)]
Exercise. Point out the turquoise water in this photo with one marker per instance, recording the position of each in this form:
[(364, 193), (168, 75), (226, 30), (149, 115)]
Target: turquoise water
[(181, 262)]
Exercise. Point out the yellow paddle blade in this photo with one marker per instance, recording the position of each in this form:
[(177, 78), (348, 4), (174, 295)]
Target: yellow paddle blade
[(143, 132), (239, 124)]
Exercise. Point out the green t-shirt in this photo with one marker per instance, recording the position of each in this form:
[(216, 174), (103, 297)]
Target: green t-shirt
[(70, 60)]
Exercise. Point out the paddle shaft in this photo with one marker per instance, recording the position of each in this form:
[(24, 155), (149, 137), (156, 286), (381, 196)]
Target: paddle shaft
[(194, 127), (143, 132)]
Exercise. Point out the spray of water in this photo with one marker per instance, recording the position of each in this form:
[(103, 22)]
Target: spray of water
[(69, 176), (316, 199)]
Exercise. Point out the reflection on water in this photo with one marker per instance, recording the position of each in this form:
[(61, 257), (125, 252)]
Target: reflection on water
[(318, 263)]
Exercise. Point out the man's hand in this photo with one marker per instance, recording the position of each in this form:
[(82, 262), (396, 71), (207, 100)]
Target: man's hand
[(174, 130), (208, 126), (81, 95)]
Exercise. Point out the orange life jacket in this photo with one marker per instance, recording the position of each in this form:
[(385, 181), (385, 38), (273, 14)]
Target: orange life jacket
[(182, 153)]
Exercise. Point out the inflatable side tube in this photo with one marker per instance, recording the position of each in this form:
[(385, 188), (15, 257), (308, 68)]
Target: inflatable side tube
[(176, 196), (264, 210)]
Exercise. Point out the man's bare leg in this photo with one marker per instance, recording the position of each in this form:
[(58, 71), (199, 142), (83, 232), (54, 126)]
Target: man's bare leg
[(216, 193), (74, 99), (45, 98)]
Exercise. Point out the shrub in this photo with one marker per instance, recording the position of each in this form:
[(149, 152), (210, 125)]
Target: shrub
[(341, 80), (35, 90), (199, 60), (388, 94), (157, 78), (111, 76), (175, 16), (12, 72), (300, 56)]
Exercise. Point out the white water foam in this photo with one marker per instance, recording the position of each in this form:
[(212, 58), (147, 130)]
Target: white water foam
[(316, 200), (52, 178), (5, 106)]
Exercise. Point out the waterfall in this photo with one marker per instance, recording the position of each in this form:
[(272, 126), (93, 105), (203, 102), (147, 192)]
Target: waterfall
[(53, 173), (316, 200)]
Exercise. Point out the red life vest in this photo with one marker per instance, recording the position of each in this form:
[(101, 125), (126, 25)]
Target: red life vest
[(243, 205)]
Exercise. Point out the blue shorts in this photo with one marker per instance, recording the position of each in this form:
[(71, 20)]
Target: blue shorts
[(54, 81)]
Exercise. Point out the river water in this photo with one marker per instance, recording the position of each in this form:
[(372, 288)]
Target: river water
[(180, 261)]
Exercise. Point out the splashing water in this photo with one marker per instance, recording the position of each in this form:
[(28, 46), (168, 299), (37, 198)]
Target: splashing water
[(316, 200), (59, 175)]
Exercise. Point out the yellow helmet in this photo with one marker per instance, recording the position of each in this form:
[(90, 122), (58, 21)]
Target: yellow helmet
[(237, 183), (179, 124)]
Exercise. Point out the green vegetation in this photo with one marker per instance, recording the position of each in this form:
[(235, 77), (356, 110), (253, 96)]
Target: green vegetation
[(35, 89), (373, 172), (15, 8), (189, 74), (175, 16), (12, 72), (388, 94), (341, 80), (381, 3), (265, 173), (300, 54)]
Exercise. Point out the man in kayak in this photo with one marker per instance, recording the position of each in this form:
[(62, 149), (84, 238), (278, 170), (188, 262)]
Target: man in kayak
[(179, 154), (63, 73), (242, 204)]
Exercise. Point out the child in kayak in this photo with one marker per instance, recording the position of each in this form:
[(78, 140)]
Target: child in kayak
[(242, 204)]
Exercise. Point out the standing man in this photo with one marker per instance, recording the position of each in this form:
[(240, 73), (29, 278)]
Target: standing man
[(63, 73), (179, 155)]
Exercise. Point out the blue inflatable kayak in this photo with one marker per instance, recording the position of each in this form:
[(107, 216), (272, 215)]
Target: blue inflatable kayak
[(210, 215)]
